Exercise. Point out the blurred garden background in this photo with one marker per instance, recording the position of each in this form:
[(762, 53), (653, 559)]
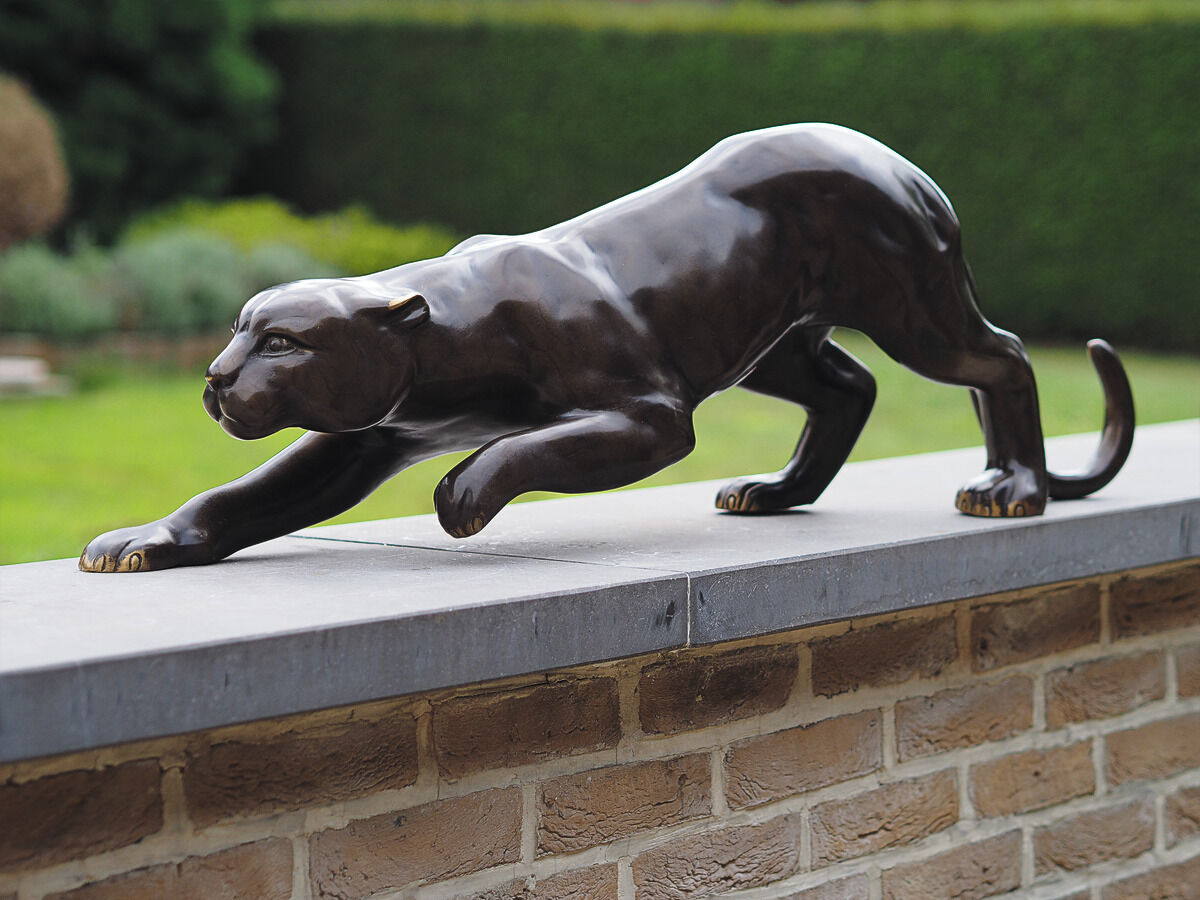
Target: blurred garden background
[(160, 163)]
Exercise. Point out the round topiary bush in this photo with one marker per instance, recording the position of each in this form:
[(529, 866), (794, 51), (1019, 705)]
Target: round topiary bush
[(33, 177)]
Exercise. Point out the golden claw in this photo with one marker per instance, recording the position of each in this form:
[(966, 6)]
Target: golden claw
[(99, 563), (133, 562), (989, 510)]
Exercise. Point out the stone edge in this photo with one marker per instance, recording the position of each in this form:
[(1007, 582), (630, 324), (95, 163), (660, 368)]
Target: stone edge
[(84, 706)]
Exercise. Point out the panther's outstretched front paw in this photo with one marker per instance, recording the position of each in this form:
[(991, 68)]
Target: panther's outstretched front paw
[(1007, 492), (141, 548), (457, 511), (747, 495)]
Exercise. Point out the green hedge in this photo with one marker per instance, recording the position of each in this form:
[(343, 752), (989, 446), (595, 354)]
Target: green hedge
[(1069, 151)]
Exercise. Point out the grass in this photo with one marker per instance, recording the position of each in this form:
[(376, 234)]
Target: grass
[(132, 447), (748, 16)]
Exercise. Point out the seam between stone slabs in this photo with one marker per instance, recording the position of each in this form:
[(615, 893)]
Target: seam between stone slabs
[(554, 559), (686, 576)]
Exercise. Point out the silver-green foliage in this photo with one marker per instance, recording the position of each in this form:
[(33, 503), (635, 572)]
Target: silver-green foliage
[(39, 294), (181, 281)]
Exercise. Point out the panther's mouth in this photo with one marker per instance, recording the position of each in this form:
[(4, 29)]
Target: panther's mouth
[(240, 430), (212, 405), (229, 423)]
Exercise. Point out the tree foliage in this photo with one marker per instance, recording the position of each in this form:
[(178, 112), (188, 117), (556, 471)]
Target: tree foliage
[(154, 99)]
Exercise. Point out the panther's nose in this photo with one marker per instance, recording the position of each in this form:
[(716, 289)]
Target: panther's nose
[(221, 372)]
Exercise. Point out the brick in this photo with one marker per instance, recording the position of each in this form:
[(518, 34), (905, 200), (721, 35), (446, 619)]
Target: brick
[(1154, 751), (1032, 779), (1187, 667), (77, 814), (428, 843), (1060, 620), (525, 726), (1177, 882), (1149, 603), (590, 808), (262, 870), (1183, 815), (790, 762), (1082, 840), (856, 887), (311, 764), (1105, 688), (982, 869), (717, 862), (690, 692), (964, 717), (595, 883), (889, 816), (885, 654)]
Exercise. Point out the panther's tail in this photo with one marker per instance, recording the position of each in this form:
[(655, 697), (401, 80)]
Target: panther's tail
[(1117, 436)]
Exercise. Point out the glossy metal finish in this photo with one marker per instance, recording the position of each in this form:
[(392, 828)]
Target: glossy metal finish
[(573, 357)]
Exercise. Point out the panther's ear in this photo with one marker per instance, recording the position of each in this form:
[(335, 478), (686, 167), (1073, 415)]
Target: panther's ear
[(408, 310)]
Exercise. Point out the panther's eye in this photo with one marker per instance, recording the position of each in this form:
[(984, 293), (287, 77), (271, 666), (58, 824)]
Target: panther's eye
[(277, 343)]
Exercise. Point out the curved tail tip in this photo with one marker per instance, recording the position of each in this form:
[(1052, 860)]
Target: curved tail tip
[(1117, 436)]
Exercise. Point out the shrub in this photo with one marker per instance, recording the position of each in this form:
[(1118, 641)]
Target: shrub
[(1066, 140), (271, 264), (154, 99), (350, 240), (177, 282), (33, 179), (42, 293)]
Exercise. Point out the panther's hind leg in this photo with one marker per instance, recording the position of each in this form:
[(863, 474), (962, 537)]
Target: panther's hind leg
[(1014, 483), (944, 337), (837, 391)]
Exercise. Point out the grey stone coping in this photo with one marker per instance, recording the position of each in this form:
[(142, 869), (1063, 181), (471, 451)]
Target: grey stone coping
[(352, 613)]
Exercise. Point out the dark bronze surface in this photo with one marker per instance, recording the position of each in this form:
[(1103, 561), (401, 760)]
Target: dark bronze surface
[(573, 358)]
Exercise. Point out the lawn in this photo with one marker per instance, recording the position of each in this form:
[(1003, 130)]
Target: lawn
[(133, 446)]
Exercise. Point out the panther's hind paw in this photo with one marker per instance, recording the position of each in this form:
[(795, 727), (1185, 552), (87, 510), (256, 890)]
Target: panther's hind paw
[(749, 496), (1003, 493)]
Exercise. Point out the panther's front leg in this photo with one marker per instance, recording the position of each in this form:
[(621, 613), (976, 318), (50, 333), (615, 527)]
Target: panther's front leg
[(317, 477), (592, 450)]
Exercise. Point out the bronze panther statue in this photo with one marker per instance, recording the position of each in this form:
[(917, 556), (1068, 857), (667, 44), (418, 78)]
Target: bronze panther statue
[(573, 357)]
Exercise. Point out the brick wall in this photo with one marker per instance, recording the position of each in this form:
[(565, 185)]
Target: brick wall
[(1045, 743)]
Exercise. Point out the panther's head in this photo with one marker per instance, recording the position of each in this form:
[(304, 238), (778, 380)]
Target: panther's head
[(327, 354)]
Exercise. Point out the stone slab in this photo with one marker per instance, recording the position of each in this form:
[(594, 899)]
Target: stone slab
[(294, 625), (884, 536), (351, 613)]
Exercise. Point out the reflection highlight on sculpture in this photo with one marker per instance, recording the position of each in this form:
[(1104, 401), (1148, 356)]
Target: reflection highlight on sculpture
[(573, 357)]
